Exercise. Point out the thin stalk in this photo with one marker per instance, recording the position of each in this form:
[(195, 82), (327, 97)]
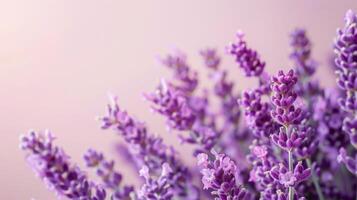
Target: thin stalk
[(315, 181), (291, 189), (291, 165)]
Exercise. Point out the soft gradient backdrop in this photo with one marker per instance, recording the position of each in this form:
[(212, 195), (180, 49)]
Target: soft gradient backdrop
[(59, 59)]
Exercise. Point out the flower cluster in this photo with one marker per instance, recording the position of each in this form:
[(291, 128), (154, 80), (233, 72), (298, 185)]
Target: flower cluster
[(52, 165), (219, 176), (187, 111), (247, 58), (106, 171), (156, 188), (145, 148), (290, 145), (346, 61)]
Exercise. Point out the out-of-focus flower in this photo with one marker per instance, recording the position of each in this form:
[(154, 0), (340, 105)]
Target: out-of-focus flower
[(106, 171), (185, 79), (301, 52), (350, 163), (147, 149), (52, 165), (212, 60), (173, 104)]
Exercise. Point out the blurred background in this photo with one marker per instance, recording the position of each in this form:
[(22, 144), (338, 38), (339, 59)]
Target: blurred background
[(59, 60)]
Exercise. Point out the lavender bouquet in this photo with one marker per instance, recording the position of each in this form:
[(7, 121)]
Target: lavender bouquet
[(287, 139)]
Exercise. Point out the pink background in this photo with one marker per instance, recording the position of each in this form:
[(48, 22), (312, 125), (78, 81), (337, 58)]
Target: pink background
[(59, 59)]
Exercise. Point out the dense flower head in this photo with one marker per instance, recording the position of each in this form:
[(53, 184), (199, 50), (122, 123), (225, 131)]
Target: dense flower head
[(219, 176), (52, 165), (247, 58), (289, 141), (257, 113), (284, 97)]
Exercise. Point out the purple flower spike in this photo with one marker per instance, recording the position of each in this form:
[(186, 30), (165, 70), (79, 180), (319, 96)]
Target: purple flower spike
[(110, 177), (247, 58), (301, 53), (173, 104), (284, 97), (147, 149), (52, 165), (219, 176), (186, 79), (257, 114)]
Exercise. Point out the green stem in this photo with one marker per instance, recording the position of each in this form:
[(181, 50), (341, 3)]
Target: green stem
[(291, 165), (291, 189), (315, 180)]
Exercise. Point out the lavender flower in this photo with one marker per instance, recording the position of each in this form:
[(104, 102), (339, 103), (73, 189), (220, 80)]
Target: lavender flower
[(146, 149), (52, 165), (286, 150), (186, 113), (186, 80), (350, 163), (285, 113), (284, 97), (257, 114), (301, 53), (212, 60), (106, 171), (173, 104), (289, 178), (346, 61), (219, 176), (248, 59), (160, 188), (223, 89), (288, 142)]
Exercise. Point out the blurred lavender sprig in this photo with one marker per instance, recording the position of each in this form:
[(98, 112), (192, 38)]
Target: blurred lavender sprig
[(111, 178), (346, 61), (52, 165), (146, 149)]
